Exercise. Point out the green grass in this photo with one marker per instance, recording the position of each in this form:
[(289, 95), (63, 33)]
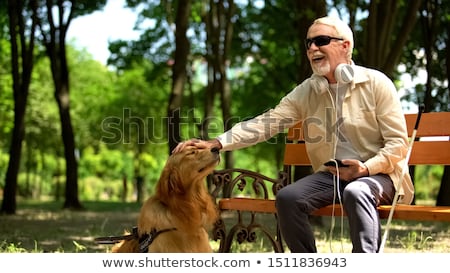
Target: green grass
[(403, 237), (408, 242), (45, 227)]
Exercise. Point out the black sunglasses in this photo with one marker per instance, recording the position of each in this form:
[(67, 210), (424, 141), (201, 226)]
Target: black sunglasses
[(320, 40)]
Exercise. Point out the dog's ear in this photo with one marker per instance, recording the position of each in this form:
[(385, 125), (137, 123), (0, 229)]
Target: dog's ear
[(170, 183), (175, 183)]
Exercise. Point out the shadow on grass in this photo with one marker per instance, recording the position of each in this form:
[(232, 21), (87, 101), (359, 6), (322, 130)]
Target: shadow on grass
[(403, 237), (46, 227)]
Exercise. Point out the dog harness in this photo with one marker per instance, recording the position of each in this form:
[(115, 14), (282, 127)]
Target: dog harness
[(144, 241)]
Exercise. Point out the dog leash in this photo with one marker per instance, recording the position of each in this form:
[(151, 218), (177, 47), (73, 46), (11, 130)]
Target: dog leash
[(109, 240), (144, 241), (147, 239)]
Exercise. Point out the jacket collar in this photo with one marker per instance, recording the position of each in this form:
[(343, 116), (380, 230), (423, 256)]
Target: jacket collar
[(320, 85)]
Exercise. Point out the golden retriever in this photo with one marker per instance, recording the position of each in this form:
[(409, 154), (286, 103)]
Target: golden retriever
[(182, 210)]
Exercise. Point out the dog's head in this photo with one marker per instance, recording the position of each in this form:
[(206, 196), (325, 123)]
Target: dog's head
[(187, 168), (181, 201)]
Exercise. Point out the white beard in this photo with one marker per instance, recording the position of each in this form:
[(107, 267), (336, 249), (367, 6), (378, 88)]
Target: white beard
[(321, 70)]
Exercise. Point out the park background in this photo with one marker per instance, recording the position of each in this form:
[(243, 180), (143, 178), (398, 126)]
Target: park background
[(78, 130)]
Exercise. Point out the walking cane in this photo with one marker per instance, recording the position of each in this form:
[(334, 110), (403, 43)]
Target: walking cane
[(404, 170)]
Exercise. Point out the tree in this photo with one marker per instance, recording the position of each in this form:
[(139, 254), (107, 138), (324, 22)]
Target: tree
[(385, 32), (434, 21), (54, 21), (219, 32), (273, 38), (270, 34), (428, 50), (443, 197), (22, 65), (182, 50), (380, 37)]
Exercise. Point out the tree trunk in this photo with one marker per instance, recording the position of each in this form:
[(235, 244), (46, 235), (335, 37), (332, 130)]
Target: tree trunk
[(178, 73), (226, 13), (381, 50), (54, 40), (304, 21), (9, 194), (61, 80), (21, 55), (219, 29), (71, 190), (443, 198)]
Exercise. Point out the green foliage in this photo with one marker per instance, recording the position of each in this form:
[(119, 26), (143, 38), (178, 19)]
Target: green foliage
[(94, 188), (427, 181), (102, 173), (42, 132), (266, 60), (104, 163), (11, 248), (79, 247), (432, 34), (4, 159), (93, 91), (414, 241), (6, 96), (78, 8)]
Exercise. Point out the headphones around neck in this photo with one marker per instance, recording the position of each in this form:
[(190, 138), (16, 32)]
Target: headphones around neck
[(344, 73)]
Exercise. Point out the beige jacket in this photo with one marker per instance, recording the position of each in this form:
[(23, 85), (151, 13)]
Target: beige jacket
[(372, 116)]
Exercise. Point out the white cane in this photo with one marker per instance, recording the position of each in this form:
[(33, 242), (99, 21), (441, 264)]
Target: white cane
[(404, 170)]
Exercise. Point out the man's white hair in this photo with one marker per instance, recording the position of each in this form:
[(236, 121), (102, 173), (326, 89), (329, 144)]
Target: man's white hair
[(342, 30)]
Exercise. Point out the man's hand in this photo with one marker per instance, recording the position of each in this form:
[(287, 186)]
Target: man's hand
[(201, 144), (354, 170)]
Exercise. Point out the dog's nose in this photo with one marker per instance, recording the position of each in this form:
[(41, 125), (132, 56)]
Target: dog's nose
[(215, 150)]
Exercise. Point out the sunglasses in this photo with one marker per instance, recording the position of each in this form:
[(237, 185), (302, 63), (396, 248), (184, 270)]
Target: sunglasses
[(321, 40)]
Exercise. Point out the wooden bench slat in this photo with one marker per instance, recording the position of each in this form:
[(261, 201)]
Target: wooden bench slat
[(295, 133), (405, 212), (416, 212), (430, 153), (423, 153), (431, 124), (248, 204), (295, 155)]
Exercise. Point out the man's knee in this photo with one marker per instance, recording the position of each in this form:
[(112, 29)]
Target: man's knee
[(355, 191), (288, 200), (284, 197)]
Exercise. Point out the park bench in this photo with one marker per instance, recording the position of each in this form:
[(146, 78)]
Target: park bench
[(245, 192)]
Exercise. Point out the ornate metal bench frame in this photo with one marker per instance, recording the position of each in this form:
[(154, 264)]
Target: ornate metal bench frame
[(234, 182)]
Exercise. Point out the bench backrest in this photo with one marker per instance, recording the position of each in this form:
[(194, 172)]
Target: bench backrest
[(431, 147)]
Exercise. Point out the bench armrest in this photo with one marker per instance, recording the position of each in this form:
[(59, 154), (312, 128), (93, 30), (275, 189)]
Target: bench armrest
[(245, 183)]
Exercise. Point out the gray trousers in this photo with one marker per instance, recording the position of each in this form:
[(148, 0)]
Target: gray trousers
[(360, 197)]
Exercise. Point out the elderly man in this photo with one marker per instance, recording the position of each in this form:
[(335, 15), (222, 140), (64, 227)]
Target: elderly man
[(353, 115)]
